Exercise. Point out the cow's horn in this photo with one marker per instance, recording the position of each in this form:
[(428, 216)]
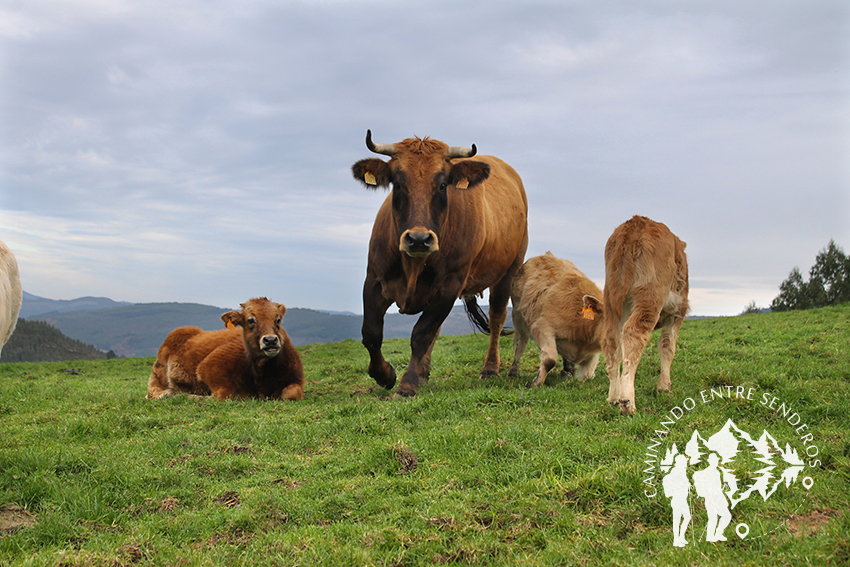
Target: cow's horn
[(460, 151), (385, 149)]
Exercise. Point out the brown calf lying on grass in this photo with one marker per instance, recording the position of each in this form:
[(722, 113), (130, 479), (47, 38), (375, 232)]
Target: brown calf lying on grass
[(646, 288), (558, 306), (254, 361)]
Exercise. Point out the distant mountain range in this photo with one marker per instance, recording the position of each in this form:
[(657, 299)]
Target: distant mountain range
[(34, 305), (138, 329)]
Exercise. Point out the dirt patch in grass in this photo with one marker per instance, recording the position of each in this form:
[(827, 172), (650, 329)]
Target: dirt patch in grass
[(408, 461), (13, 518), (809, 524), (169, 504), (229, 499)]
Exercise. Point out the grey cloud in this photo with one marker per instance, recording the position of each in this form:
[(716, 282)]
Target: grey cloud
[(216, 138)]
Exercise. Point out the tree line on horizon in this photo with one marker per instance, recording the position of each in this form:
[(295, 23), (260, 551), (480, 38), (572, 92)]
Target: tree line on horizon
[(828, 284)]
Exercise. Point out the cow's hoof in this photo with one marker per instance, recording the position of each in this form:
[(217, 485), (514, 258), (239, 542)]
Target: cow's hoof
[(487, 374), (532, 384), (627, 407), (385, 379), (404, 391)]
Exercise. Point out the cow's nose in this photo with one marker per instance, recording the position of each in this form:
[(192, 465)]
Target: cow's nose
[(419, 241), (271, 341)]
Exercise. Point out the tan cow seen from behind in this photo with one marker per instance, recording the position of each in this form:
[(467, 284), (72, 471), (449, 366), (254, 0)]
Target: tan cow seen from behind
[(560, 308), (252, 358), (646, 288)]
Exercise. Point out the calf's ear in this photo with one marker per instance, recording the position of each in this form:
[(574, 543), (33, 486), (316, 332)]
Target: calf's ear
[(372, 172), (592, 307), (281, 310), (465, 174), (233, 318)]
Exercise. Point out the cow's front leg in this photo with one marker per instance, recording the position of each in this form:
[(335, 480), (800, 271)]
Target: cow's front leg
[(375, 306), (421, 344)]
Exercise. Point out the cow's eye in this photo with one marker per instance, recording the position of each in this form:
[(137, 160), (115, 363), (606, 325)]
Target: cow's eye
[(252, 322), (443, 187), (277, 322)]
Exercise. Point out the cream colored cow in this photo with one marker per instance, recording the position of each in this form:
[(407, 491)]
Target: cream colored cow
[(559, 307), (11, 294)]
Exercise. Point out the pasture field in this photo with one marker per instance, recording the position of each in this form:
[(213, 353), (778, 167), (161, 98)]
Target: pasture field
[(481, 472)]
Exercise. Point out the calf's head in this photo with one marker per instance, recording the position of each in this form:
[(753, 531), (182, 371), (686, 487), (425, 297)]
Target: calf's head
[(423, 173), (260, 322)]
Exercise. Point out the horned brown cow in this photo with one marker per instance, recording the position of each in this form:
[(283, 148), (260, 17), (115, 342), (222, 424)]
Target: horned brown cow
[(252, 359), (646, 288), (451, 227), (560, 308)]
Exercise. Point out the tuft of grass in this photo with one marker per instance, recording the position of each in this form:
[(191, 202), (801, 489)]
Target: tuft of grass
[(483, 472)]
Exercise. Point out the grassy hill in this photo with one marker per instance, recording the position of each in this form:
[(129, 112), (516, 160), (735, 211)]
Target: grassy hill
[(481, 472)]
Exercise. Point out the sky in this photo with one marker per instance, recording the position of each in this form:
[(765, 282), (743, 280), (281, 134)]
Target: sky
[(200, 152)]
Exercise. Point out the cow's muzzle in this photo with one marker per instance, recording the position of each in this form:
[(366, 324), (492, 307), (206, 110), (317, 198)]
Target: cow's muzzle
[(418, 242), (270, 345)]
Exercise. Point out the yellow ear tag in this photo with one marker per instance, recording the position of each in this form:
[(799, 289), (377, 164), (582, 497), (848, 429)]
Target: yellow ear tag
[(588, 313), (370, 179), (230, 325), (462, 184)]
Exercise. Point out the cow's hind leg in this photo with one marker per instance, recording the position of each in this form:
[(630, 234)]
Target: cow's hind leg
[(425, 366), (612, 348), (666, 352), (545, 339), (586, 368), (500, 294), (521, 336), (292, 392), (375, 306), (568, 370), (158, 386), (636, 333)]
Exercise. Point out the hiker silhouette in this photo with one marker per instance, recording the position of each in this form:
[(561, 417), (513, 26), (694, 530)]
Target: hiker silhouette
[(676, 487), (708, 484)]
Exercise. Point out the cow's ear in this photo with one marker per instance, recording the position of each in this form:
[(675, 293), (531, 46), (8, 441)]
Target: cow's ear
[(465, 174), (372, 172), (234, 319), (281, 310), (592, 307)]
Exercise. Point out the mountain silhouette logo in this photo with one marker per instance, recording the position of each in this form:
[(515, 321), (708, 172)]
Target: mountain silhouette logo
[(725, 470)]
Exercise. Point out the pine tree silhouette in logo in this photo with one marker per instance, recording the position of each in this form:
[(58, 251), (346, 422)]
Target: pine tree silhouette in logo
[(714, 480)]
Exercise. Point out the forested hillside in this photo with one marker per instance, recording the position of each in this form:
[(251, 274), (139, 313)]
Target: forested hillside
[(36, 341)]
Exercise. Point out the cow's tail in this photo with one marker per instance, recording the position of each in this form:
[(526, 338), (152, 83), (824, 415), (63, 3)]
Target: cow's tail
[(478, 318)]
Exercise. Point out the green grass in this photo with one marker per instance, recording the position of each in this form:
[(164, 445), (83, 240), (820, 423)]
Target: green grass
[(469, 472)]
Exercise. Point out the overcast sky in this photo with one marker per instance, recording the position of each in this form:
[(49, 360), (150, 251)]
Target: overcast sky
[(201, 151)]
